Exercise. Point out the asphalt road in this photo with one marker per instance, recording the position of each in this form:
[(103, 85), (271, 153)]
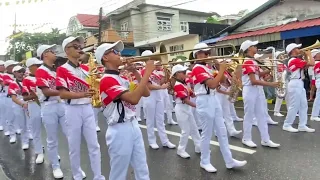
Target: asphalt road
[(296, 159)]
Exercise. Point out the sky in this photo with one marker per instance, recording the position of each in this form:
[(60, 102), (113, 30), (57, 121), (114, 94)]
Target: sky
[(47, 14)]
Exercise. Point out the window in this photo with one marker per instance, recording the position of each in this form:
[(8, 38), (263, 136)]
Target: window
[(124, 26), (164, 23), (176, 48), (184, 26)]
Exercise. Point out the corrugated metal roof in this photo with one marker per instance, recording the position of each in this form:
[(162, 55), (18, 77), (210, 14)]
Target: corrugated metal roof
[(88, 20), (286, 27)]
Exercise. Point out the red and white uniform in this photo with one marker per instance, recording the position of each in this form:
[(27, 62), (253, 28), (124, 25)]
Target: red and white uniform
[(7, 79), (8, 115), (52, 111), (120, 116), (210, 115), (296, 93), (185, 118), (80, 119), (85, 67), (29, 84), (316, 82), (254, 103)]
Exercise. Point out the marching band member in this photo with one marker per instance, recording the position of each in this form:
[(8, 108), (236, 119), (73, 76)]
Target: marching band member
[(154, 108), (29, 95), (52, 109), (223, 95), (124, 138), (80, 120), (139, 105), (316, 104), (8, 78), (281, 69), (184, 112), (15, 92), (2, 98), (296, 92), (253, 96), (209, 111)]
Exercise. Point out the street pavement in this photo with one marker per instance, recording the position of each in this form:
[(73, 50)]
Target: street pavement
[(296, 159)]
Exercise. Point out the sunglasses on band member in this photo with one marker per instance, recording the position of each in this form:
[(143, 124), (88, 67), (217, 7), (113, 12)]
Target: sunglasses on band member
[(21, 71), (112, 50), (75, 46)]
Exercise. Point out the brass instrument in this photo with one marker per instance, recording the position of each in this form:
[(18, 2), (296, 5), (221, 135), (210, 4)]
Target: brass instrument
[(316, 45), (94, 82), (236, 84)]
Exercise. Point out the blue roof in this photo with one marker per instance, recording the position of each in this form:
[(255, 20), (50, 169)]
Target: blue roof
[(213, 40)]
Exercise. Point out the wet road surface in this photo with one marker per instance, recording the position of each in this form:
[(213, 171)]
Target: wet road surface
[(298, 158)]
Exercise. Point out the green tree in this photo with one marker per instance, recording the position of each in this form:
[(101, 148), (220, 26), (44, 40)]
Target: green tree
[(212, 20), (30, 42)]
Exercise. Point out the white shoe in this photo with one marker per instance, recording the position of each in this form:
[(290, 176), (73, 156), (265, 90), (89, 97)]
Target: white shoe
[(270, 121), (239, 119), (236, 164), (1, 128), (7, 133), (270, 144), (83, 174), (306, 129), (25, 146), (209, 168), (169, 145), (235, 132), (57, 173), (172, 122), (18, 131), (139, 119), (290, 129), (30, 137), (13, 140), (249, 143), (98, 129), (297, 115), (154, 146), (183, 154), (197, 150), (40, 159), (278, 114), (59, 158), (314, 118)]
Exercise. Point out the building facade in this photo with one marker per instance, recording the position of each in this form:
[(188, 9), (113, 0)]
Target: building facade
[(84, 25)]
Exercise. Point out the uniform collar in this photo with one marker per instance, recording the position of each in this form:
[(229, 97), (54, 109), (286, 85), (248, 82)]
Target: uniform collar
[(49, 67), (115, 72), (178, 80), (31, 75), (73, 65)]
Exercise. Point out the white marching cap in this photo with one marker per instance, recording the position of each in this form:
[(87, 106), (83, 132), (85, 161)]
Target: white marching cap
[(178, 68), (9, 63), (146, 53), (292, 46), (43, 48), (246, 44), (33, 61), (1, 63), (314, 52), (278, 53), (70, 40), (200, 45), (17, 68), (118, 46)]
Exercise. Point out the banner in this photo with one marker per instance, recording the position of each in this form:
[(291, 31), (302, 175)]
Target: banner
[(19, 2), (28, 25), (28, 54)]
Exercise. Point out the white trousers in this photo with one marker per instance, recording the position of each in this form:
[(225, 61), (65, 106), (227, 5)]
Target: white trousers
[(20, 119), (225, 105), (194, 112), (138, 108), (36, 122), (52, 115), (187, 125), (316, 105), (211, 118), (2, 111), (168, 104), (80, 121), (277, 105), (96, 115), (126, 146), (154, 109), (297, 103), (233, 112), (10, 119), (254, 106)]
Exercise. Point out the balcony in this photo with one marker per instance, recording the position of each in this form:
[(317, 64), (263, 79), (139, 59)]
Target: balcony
[(111, 36)]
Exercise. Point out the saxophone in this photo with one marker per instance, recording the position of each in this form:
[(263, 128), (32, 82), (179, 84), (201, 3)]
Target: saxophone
[(279, 77), (236, 85), (94, 82)]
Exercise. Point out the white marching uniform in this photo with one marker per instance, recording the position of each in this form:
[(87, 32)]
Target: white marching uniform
[(210, 115), (296, 94), (254, 103), (9, 128), (3, 95), (185, 118), (316, 104), (52, 112), (190, 85), (79, 120), (123, 137)]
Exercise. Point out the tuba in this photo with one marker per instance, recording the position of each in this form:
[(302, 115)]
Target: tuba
[(94, 82)]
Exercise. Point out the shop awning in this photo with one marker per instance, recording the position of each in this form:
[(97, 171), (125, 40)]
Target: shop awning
[(276, 29), (129, 52)]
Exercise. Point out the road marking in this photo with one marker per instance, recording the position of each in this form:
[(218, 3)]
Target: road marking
[(3, 175), (239, 107), (235, 148)]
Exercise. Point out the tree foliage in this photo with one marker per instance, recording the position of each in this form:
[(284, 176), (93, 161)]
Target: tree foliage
[(212, 20), (30, 42)]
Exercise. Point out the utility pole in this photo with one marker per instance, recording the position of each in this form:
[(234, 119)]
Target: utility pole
[(14, 32), (100, 26)]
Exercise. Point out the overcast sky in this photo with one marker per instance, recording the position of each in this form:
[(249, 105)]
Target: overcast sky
[(58, 12)]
